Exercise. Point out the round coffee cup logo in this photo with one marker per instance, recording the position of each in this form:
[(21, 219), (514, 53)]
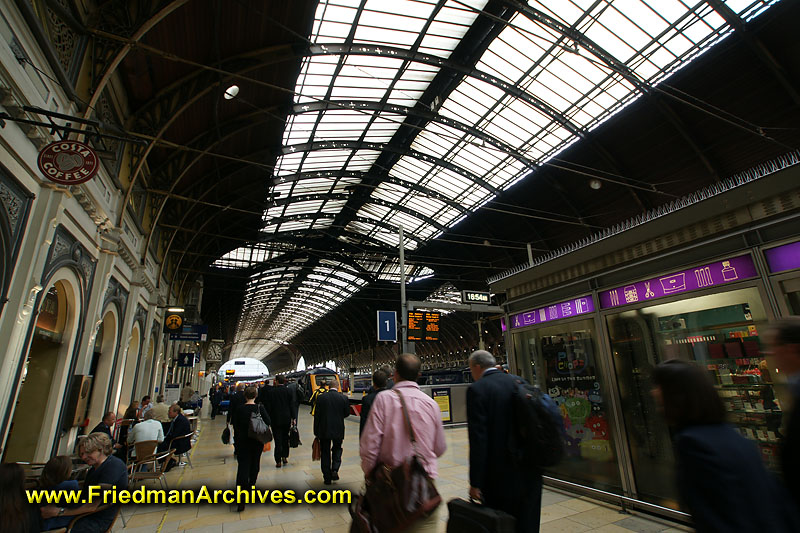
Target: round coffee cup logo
[(68, 162), (174, 322)]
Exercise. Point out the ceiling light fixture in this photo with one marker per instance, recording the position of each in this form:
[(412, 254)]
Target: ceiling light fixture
[(595, 184), (231, 92)]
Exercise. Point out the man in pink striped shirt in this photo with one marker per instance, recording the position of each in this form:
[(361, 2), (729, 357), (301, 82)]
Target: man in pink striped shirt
[(385, 439)]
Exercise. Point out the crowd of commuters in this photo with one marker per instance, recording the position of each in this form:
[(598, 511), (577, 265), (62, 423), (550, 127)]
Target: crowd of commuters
[(720, 475)]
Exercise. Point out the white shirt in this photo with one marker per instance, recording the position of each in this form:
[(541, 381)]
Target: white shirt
[(147, 430)]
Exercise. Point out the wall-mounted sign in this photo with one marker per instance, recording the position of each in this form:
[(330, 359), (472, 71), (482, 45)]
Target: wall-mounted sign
[(442, 399), (387, 326), (565, 309), (423, 325), (173, 323), (786, 257), (186, 359), (190, 333), (701, 277), (68, 162), (475, 297)]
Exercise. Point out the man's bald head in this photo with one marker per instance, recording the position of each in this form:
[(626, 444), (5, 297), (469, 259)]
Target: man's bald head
[(407, 367)]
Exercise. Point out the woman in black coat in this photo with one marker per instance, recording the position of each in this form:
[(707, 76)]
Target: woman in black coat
[(720, 475), (248, 450)]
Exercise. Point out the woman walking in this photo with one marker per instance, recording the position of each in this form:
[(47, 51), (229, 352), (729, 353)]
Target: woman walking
[(721, 477), (248, 449)]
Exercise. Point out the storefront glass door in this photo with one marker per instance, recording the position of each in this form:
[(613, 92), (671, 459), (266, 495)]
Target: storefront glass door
[(562, 359), (719, 331)]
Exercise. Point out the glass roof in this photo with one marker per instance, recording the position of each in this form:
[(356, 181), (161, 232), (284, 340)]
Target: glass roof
[(555, 72)]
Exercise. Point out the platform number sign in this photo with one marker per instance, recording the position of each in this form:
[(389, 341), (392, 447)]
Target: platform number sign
[(387, 326)]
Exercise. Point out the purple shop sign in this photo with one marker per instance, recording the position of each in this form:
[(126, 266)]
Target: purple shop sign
[(786, 257), (565, 309), (701, 277)]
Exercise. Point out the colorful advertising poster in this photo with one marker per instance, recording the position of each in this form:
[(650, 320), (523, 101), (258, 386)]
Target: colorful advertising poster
[(700, 277), (442, 399)]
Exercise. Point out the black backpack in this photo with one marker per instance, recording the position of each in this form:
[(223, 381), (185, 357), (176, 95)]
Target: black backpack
[(538, 428)]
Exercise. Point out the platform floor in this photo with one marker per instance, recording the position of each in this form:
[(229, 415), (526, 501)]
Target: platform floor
[(215, 466)]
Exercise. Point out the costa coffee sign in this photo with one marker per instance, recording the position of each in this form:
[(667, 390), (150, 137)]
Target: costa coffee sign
[(68, 162)]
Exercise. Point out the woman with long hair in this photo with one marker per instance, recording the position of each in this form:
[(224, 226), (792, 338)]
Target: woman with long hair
[(56, 477), (721, 478), (16, 514)]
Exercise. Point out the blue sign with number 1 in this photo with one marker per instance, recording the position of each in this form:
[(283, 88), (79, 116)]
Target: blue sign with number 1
[(387, 326)]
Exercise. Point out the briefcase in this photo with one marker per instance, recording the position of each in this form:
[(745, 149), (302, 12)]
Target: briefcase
[(469, 517)]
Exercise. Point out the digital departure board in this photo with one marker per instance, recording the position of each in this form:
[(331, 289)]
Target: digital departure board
[(423, 326)]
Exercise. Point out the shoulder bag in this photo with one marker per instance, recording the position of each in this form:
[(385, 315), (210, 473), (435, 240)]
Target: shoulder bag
[(258, 429), (396, 497)]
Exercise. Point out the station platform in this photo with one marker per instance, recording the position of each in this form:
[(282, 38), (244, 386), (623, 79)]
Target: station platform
[(215, 466)]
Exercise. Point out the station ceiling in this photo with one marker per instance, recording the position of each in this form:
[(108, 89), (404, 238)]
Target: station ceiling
[(481, 127)]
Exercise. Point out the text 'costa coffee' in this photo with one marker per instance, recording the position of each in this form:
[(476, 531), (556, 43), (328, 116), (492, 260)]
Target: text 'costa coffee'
[(68, 162)]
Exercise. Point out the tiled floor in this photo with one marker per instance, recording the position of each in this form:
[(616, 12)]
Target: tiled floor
[(215, 466)]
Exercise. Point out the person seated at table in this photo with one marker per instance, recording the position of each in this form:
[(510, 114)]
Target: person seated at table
[(106, 425), (132, 412), (179, 427), (161, 410), (145, 406), (56, 477), (150, 429), (16, 514), (95, 451)]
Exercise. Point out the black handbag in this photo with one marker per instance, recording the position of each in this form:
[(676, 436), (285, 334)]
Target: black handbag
[(226, 435), (470, 517), (396, 497), (294, 437), (258, 429)]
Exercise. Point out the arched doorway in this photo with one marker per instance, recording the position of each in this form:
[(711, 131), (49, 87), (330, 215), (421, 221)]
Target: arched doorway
[(129, 370), (45, 373), (102, 363)]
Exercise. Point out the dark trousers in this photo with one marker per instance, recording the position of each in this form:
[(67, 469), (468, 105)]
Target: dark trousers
[(524, 505), (281, 443), (214, 409), (249, 458), (331, 456)]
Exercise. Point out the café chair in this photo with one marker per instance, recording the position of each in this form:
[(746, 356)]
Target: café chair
[(188, 452), (135, 473), (146, 448)]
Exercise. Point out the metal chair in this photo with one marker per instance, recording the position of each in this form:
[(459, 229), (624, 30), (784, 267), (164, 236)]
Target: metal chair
[(161, 460), (187, 453)]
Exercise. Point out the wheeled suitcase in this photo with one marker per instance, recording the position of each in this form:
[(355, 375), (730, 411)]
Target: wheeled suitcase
[(469, 517)]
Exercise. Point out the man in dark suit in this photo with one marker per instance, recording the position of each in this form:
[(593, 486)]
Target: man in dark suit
[(236, 399), (331, 410), (106, 425), (379, 379), (282, 411), (179, 427), (493, 477), (784, 340)]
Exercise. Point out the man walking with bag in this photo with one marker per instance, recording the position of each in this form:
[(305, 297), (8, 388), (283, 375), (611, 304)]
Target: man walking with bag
[(494, 477), (331, 410), (282, 411), (395, 417)]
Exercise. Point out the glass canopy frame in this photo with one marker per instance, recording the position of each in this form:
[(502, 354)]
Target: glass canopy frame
[(374, 70)]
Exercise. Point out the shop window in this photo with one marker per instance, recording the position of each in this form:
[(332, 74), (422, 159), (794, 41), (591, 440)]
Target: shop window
[(719, 332), (791, 291), (562, 359)]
